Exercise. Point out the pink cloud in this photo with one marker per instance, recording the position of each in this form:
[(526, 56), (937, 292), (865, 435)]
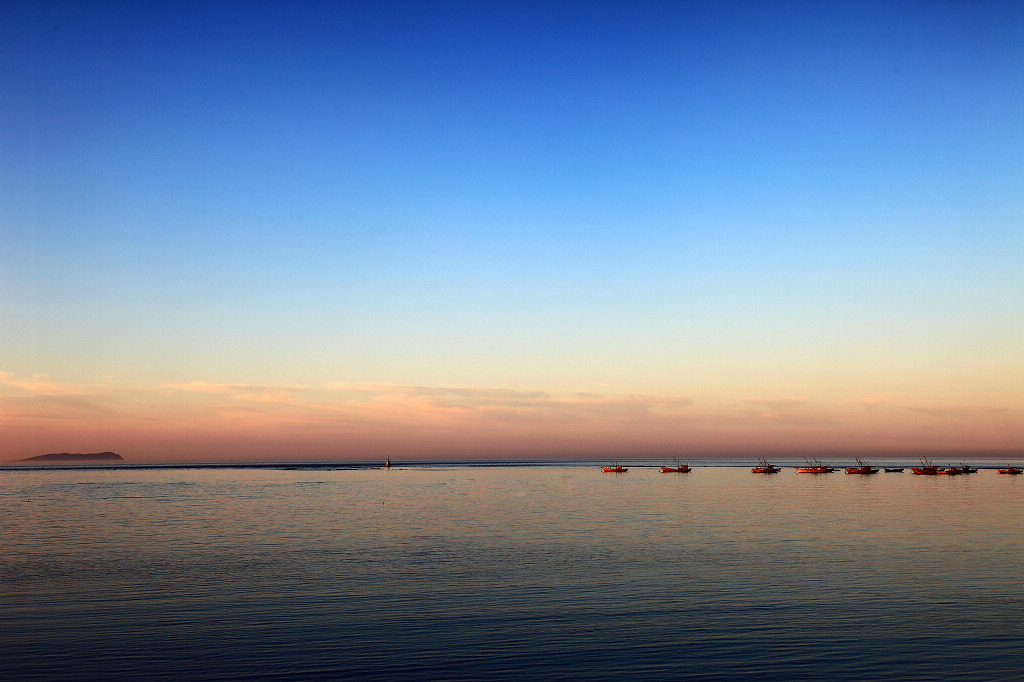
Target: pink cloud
[(776, 403), (40, 384), (239, 420), (875, 400)]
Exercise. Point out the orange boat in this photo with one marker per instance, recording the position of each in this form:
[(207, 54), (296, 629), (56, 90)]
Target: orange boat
[(615, 469), (861, 468), (763, 467), (926, 468), (677, 469), (1013, 471), (815, 467)]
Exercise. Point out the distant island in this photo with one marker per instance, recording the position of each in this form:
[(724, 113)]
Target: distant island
[(76, 457)]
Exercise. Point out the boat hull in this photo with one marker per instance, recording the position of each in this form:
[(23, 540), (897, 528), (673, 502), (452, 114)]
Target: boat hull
[(765, 467), (675, 470)]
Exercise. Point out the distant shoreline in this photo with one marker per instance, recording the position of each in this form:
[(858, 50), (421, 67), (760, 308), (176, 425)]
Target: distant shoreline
[(982, 461)]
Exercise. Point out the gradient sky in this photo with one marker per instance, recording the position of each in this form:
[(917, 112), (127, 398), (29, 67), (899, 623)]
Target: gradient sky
[(346, 230)]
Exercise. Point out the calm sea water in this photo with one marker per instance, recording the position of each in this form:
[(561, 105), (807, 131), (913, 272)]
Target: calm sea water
[(502, 572)]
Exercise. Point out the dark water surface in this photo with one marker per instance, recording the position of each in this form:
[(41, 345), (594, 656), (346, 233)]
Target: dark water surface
[(555, 572)]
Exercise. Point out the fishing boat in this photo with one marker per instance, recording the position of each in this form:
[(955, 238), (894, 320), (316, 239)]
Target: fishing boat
[(615, 469), (1013, 471), (966, 468), (861, 468), (815, 467), (763, 467), (950, 471), (926, 468), (677, 469), (893, 470)]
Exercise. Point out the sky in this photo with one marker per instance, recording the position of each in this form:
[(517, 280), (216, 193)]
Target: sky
[(249, 231)]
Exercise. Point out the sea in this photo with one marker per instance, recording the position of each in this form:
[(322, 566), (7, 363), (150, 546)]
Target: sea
[(507, 571)]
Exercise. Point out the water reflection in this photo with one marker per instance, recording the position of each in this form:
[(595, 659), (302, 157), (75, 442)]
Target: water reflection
[(498, 572)]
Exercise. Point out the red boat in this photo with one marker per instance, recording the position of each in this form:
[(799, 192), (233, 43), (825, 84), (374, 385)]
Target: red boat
[(950, 471), (677, 469), (763, 467), (926, 468), (861, 468), (1013, 471), (815, 467), (616, 469)]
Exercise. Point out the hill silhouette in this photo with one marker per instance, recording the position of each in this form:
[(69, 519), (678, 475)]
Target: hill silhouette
[(76, 457)]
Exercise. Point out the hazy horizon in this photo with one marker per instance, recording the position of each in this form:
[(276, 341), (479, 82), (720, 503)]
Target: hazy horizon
[(739, 457)]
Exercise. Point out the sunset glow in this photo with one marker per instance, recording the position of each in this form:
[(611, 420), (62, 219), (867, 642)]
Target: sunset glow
[(437, 230)]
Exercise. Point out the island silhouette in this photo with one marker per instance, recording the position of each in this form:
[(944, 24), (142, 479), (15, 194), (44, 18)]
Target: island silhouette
[(76, 457)]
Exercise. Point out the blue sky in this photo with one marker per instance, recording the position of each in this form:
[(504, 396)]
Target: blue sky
[(722, 201)]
